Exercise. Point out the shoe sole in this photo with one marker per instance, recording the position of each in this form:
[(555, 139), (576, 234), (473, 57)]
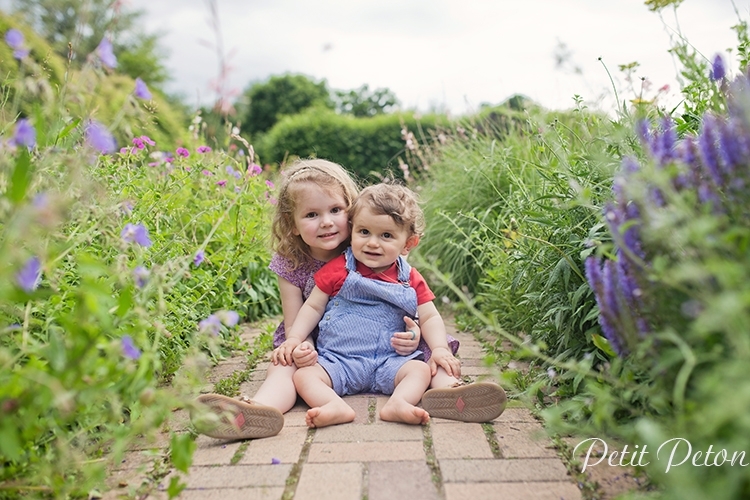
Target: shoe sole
[(238, 420), (477, 402)]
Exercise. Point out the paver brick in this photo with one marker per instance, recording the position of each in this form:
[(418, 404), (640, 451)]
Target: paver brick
[(523, 440), (401, 480), (237, 476), (460, 440), (258, 493), (384, 431), (512, 491), (365, 452), (284, 447), (330, 482), (503, 470), (210, 451)]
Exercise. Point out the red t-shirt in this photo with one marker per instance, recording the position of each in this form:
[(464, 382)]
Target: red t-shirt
[(331, 276)]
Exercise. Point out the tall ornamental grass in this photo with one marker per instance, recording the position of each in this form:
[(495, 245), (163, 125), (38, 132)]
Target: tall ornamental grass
[(125, 268)]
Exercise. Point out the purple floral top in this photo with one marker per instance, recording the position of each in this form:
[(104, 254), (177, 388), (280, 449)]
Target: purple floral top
[(302, 278)]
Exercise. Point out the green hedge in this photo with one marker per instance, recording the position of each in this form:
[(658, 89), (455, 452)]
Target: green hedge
[(368, 147)]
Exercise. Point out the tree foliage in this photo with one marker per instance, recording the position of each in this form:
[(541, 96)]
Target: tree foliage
[(74, 29), (266, 103), (364, 102)]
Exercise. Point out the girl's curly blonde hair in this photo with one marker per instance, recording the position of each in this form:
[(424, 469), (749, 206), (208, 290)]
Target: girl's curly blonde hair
[(330, 176)]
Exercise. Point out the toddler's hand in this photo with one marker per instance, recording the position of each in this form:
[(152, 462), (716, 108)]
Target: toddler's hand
[(405, 343), (283, 353), (442, 356), (305, 355)]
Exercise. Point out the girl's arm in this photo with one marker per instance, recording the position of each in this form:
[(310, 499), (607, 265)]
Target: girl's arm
[(306, 320), (433, 332)]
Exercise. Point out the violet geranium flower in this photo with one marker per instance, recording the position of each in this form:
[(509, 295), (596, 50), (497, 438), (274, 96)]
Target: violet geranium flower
[(141, 90), (135, 233), (29, 276)]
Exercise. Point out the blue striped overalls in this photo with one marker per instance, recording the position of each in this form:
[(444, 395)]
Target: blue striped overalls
[(354, 343)]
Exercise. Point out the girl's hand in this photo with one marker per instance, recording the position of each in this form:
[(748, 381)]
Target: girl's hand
[(405, 343), (442, 356), (305, 355), (283, 353)]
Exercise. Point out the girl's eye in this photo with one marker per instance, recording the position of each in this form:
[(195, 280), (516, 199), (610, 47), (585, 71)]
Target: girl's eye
[(386, 235), (364, 232), (310, 215), (336, 210)]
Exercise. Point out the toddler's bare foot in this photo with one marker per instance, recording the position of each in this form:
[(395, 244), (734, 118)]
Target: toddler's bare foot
[(335, 412), (402, 411)]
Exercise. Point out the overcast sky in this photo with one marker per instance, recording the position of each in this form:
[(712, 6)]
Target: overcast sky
[(445, 54)]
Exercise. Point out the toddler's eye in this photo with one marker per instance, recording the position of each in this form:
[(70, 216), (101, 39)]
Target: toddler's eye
[(386, 235), (310, 215), (336, 210), (364, 232)]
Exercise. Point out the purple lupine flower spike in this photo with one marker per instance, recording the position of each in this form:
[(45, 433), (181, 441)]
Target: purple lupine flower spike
[(718, 72), (29, 276), (707, 149)]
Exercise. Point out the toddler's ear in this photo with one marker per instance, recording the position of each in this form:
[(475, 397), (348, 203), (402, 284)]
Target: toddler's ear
[(411, 242)]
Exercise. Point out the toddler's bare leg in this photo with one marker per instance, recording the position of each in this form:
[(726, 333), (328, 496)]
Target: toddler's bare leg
[(277, 390), (326, 407), (411, 381)]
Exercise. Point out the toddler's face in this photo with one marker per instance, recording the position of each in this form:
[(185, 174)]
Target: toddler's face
[(320, 219), (377, 240)]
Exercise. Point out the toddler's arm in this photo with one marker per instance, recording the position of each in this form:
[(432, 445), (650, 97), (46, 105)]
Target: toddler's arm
[(433, 331), (307, 318)]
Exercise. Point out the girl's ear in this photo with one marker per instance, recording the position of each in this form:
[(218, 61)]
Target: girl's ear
[(411, 242)]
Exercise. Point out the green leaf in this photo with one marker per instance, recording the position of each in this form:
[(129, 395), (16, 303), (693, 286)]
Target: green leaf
[(175, 487), (182, 447), (21, 178), (10, 444), (603, 344), (66, 130), (124, 301)]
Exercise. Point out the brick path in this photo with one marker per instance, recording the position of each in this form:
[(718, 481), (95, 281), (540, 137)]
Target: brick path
[(370, 459)]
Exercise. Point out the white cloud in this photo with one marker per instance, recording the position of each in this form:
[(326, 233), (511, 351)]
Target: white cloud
[(436, 52)]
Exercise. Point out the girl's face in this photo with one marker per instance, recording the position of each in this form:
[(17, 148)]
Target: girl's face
[(320, 219)]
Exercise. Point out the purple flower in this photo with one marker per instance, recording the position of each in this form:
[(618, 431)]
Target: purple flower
[(229, 318), (275, 461), (270, 184), (140, 275), (129, 349), (206, 172), (221, 183), (232, 172), (29, 276), (255, 170), (141, 90), (204, 149), (211, 325), (198, 258), (182, 152), (138, 143), (148, 140), (14, 38), (135, 233), (24, 135), (707, 149), (99, 138), (106, 56), (718, 71)]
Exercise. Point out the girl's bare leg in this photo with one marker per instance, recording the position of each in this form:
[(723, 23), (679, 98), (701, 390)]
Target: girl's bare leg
[(441, 379), (411, 381), (277, 390), (326, 407)]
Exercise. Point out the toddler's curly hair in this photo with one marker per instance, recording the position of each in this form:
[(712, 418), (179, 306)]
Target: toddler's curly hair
[(394, 200)]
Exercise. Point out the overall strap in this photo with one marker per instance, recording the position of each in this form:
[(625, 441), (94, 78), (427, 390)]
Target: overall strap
[(404, 270), (351, 262)]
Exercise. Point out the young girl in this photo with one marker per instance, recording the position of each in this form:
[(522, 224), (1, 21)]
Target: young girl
[(310, 227)]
